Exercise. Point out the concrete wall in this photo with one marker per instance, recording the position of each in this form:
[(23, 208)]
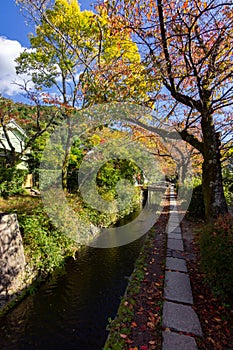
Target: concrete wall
[(12, 259)]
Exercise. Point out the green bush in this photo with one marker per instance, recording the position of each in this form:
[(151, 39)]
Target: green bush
[(196, 207), (228, 185), (45, 247), (216, 247), (11, 181)]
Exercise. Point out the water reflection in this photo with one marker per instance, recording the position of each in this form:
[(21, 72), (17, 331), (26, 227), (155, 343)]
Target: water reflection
[(71, 311)]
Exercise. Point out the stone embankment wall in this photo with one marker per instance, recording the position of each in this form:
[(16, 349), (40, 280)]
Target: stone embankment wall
[(12, 259)]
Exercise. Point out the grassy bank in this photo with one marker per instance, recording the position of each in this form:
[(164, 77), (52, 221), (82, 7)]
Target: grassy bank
[(45, 247)]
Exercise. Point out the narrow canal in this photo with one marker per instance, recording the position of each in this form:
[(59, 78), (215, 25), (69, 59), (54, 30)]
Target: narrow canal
[(71, 311)]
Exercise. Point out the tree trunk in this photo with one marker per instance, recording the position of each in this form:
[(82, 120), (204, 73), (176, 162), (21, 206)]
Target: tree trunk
[(67, 156), (214, 199)]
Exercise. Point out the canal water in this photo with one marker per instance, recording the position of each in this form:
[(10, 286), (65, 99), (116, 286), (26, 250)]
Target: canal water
[(71, 311)]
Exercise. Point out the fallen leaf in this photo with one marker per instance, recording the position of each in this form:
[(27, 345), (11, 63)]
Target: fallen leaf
[(152, 342), (144, 347), (150, 325), (123, 336)]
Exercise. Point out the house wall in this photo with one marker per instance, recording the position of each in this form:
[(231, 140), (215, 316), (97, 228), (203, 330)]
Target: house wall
[(17, 143)]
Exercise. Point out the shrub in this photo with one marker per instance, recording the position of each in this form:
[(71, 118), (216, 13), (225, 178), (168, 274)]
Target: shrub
[(216, 247), (228, 186), (11, 181), (196, 207), (45, 247)]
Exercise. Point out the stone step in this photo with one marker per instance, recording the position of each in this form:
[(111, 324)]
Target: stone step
[(181, 318), (174, 235), (176, 264), (174, 341), (175, 244), (177, 287)]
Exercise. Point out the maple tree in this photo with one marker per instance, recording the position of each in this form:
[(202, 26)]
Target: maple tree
[(187, 45)]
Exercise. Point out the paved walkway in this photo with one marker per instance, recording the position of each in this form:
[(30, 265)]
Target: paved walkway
[(180, 321)]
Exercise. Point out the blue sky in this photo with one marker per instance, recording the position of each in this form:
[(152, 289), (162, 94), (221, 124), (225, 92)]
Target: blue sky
[(13, 39)]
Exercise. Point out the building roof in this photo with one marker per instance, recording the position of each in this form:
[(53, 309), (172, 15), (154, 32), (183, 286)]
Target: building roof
[(16, 135)]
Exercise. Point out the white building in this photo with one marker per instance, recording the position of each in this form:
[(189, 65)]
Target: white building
[(17, 137)]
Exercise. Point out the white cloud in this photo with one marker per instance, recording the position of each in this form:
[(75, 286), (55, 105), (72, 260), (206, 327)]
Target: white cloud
[(9, 51)]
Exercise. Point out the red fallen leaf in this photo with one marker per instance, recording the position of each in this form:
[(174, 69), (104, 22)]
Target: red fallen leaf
[(144, 347), (227, 331), (139, 313), (134, 324)]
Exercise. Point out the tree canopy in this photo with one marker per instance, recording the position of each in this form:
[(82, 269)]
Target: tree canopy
[(175, 56), (81, 55), (187, 45)]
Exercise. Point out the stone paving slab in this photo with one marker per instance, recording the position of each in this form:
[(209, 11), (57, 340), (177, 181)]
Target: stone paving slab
[(176, 230), (176, 254), (174, 341), (173, 228), (177, 287), (176, 264), (174, 235), (175, 244), (173, 216), (181, 318)]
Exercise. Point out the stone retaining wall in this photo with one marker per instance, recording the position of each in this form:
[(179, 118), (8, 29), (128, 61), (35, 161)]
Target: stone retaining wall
[(12, 259)]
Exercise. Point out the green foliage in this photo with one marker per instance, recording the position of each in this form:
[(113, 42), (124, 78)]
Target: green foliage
[(11, 181), (45, 247), (36, 151), (216, 246), (196, 207), (67, 40), (228, 185), (110, 182)]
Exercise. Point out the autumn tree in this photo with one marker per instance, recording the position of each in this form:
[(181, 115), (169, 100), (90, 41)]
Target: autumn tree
[(81, 56), (187, 45)]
